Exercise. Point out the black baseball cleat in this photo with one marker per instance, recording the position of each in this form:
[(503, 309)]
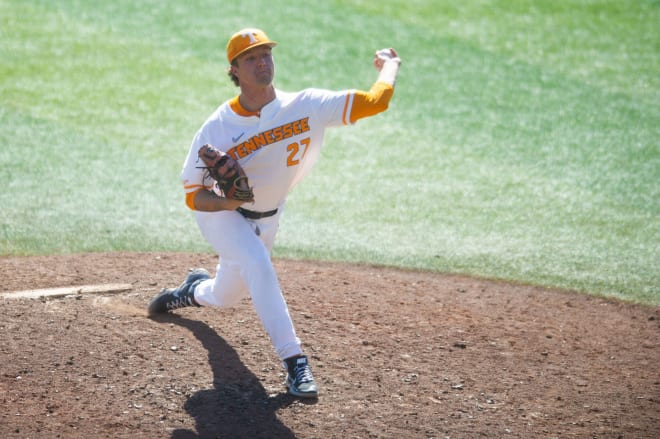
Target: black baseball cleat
[(173, 298), (299, 378)]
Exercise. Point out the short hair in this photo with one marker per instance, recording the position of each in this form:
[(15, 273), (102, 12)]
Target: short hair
[(233, 77)]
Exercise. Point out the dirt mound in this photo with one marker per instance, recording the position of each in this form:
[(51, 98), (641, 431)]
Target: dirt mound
[(397, 354)]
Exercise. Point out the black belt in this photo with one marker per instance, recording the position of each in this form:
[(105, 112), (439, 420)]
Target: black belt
[(251, 214)]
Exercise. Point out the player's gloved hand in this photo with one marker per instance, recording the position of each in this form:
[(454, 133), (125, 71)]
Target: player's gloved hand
[(227, 173)]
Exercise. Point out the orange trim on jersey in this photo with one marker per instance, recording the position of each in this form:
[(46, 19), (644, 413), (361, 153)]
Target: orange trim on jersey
[(347, 108), (375, 101), (195, 186), (235, 105)]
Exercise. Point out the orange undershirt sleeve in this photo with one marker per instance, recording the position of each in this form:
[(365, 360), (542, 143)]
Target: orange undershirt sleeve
[(190, 199), (374, 101)]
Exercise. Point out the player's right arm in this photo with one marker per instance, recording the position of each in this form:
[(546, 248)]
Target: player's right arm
[(376, 100)]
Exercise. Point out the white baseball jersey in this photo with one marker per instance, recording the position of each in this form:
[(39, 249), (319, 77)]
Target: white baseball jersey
[(277, 149)]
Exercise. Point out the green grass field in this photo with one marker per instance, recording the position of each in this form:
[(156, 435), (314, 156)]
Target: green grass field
[(522, 142)]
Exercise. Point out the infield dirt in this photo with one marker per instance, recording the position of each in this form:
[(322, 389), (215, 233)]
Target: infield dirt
[(397, 354)]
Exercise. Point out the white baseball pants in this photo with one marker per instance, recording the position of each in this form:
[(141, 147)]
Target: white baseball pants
[(245, 270)]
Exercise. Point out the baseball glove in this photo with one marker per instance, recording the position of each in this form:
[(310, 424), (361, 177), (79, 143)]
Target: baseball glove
[(227, 172)]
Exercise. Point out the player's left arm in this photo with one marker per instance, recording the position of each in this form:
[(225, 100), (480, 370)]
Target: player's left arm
[(377, 99)]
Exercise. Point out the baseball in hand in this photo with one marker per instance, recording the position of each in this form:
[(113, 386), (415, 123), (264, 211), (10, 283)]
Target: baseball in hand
[(384, 55)]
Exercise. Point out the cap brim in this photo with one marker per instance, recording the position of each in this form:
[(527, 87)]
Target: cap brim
[(270, 44)]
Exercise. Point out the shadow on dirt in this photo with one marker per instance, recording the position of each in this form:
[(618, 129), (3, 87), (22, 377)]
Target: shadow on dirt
[(238, 406)]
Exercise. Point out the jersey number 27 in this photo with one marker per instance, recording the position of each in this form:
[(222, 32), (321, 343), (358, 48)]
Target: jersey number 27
[(295, 153)]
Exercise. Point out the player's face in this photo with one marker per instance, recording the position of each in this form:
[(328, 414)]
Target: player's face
[(255, 67)]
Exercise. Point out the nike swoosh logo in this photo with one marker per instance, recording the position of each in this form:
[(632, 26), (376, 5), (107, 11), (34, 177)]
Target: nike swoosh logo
[(236, 139)]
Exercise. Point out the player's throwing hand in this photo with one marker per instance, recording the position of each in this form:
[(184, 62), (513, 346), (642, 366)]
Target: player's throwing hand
[(384, 55)]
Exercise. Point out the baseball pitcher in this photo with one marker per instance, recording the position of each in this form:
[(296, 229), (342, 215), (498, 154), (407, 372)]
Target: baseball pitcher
[(243, 162)]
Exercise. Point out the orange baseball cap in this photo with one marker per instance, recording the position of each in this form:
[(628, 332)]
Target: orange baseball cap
[(246, 39)]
